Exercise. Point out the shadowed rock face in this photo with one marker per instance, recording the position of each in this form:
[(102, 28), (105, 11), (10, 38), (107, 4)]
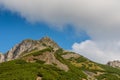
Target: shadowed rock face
[(114, 63), (28, 45)]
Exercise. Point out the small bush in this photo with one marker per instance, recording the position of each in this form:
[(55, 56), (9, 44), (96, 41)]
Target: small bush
[(44, 44), (37, 53), (59, 51), (39, 61), (81, 59), (20, 61), (40, 74), (108, 77)]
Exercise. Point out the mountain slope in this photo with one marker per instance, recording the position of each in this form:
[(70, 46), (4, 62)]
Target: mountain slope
[(45, 60)]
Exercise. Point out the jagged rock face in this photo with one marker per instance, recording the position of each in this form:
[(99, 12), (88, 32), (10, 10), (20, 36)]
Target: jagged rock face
[(114, 63), (18, 49), (2, 58), (28, 45)]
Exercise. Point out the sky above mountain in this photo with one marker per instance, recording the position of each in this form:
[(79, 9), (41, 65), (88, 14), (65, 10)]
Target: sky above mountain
[(88, 27)]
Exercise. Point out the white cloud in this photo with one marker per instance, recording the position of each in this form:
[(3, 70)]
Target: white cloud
[(97, 53), (99, 18), (96, 17)]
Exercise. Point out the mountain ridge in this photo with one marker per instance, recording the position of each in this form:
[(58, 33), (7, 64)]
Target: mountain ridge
[(44, 59)]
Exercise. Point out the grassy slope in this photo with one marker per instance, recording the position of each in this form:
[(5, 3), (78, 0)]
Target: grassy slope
[(21, 70)]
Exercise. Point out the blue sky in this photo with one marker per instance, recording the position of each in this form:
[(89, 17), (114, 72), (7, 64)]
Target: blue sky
[(89, 27), (14, 29)]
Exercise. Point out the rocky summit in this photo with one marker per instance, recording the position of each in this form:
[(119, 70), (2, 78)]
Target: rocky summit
[(44, 59), (27, 46)]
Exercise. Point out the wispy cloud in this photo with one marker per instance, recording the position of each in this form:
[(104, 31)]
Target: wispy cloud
[(99, 18)]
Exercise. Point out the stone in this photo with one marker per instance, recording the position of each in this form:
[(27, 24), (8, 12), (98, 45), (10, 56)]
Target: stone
[(2, 58), (115, 63)]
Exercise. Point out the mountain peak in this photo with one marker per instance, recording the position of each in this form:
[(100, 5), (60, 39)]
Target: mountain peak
[(29, 45), (46, 38), (27, 40), (49, 42)]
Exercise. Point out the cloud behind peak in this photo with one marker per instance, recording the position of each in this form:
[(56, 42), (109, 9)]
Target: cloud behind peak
[(96, 17)]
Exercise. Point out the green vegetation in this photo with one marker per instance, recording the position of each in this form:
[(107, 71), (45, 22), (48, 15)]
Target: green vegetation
[(22, 70), (110, 69), (75, 72), (39, 52), (44, 44), (81, 59), (17, 70), (40, 62), (108, 76)]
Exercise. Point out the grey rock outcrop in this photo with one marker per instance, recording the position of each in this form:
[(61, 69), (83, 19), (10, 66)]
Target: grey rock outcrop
[(29, 45), (2, 58), (48, 58), (70, 55), (115, 64)]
